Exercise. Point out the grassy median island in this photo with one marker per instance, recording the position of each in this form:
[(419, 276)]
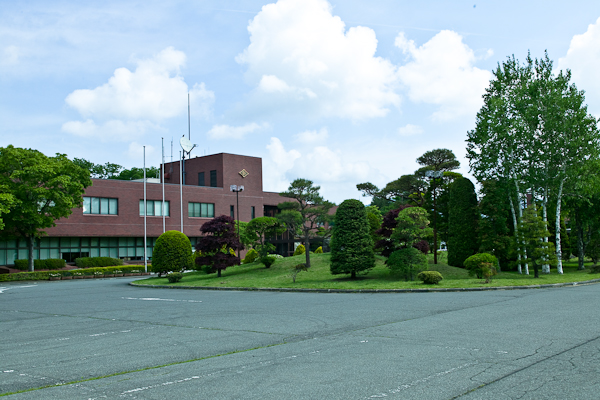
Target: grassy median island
[(255, 275)]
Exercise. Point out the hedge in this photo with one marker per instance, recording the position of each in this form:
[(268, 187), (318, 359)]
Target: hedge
[(44, 275), (50, 263), (91, 262)]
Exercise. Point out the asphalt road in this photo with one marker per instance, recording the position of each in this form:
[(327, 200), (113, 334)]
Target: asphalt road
[(98, 339)]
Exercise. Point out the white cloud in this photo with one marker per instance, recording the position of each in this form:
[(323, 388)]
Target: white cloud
[(326, 165), (441, 72), (109, 131), (310, 137), (301, 52), (277, 164), (583, 58), (135, 152), (234, 132), (410, 130), (154, 91)]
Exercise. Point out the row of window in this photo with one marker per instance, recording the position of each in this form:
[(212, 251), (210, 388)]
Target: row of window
[(109, 206), (213, 179)]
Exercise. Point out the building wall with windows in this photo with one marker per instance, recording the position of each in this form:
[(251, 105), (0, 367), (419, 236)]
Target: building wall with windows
[(111, 221)]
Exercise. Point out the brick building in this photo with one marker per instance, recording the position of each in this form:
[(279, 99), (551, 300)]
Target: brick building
[(111, 221)]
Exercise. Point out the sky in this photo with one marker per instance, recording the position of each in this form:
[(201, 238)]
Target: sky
[(338, 92)]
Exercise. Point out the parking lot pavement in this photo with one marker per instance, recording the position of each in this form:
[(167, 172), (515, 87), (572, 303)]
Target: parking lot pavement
[(105, 339)]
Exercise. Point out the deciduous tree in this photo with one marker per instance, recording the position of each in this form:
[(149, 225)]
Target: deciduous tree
[(43, 189), (220, 237)]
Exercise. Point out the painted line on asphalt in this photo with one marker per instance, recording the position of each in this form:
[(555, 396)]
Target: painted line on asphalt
[(3, 289), (159, 299)]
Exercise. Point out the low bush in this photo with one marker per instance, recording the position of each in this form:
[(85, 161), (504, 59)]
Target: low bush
[(251, 256), (475, 263), (174, 277), (22, 265), (53, 263), (268, 260), (43, 275), (408, 262), (299, 250), (319, 250), (93, 262), (595, 269), (430, 277), (50, 263)]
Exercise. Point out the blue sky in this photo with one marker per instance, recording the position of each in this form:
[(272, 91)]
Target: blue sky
[(340, 92)]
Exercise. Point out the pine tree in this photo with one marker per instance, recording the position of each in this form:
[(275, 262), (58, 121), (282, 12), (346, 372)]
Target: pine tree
[(351, 243), (531, 233), (462, 222)]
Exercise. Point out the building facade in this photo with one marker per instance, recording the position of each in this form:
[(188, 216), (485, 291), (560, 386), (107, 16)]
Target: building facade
[(111, 221)]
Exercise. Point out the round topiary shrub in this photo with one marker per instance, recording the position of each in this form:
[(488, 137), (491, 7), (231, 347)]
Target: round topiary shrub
[(299, 250), (174, 277), (475, 263), (251, 256), (268, 260), (430, 277), (319, 250), (172, 252)]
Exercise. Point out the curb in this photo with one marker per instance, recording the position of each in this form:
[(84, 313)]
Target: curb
[(428, 290)]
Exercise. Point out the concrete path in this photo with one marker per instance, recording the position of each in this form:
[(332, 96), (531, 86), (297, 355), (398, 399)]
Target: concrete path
[(93, 339)]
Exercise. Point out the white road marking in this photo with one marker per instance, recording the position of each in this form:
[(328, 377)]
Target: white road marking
[(159, 299), (3, 289)]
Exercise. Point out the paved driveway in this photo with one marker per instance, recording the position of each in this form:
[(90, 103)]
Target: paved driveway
[(106, 339)]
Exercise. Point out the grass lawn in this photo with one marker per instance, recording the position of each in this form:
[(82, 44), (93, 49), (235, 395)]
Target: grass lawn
[(318, 277)]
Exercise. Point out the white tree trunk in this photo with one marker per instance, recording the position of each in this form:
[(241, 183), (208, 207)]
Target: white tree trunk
[(559, 267), (516, 226), (520, 209), (545, 266)]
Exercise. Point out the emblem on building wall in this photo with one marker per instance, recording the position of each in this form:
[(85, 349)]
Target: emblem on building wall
[(244, 173)]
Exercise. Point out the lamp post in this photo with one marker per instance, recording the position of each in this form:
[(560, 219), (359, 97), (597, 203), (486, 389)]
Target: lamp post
[(237, 189), (434, 175)]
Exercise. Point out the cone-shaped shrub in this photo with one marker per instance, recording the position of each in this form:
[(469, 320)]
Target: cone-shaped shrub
[(351, 242)]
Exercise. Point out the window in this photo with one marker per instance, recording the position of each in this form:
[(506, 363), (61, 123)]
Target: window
[(201, 179), (252, 213), (153, 208), (100, 205), (232, 212), (201, 210), (213, 178)]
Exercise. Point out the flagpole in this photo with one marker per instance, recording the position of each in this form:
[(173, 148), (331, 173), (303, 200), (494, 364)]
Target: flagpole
[(145, 212), (181, 190), (162, 165)]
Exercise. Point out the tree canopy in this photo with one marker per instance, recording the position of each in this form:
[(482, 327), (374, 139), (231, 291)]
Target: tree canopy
[(215, 247), (43, 189), (313, 209)]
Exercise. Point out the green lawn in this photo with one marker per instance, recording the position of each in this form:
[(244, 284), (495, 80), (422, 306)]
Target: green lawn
[(318, 277)]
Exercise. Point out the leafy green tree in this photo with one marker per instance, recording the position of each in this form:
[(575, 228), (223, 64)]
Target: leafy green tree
[(99, 171), (495, 236), (462, 224), (172, 252), (311, 206), (531, 233), (137, 173), (246, 238), (218, 245), (435, 163), (7, 201), (43, 190), (408, 262), (261, 229), (375, 219), (534, 130), (584, 215), (351, 243), (412, 227)]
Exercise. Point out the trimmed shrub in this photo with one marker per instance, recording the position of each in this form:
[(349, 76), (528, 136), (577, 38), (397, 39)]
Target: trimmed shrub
[(351, 242), (297, 269), (21, 265), (408, 262), (268, 260), (172, 252), (476, 262), (319, 250), (53, 263), (174, 277), (595, 269), (430, 277), (462, 222), (299, 250), (94, 262)]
